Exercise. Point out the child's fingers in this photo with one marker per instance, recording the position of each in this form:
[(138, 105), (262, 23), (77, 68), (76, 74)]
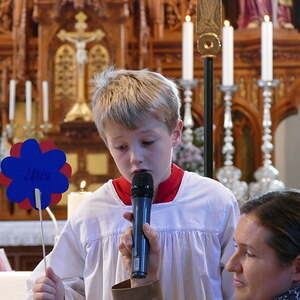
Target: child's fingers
[(124, 251), (126, 240), (128, 216), (44, 285), (44, 280), (43, 296), (50, 274), (49, 287), (151, 235)]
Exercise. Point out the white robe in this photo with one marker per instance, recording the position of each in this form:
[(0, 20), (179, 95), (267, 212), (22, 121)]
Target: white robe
[(195, 234)]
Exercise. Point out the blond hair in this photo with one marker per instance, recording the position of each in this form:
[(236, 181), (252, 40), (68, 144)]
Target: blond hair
[(128, 96)]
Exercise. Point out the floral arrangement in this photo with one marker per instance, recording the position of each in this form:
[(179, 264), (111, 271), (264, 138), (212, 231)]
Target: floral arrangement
[(189, 156)]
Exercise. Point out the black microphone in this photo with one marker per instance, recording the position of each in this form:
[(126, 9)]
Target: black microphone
[(141, 197)]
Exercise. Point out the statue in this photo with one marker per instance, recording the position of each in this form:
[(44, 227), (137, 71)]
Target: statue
[(252, 13), (80, 38)]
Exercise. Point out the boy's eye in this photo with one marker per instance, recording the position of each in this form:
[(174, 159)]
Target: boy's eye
[(120, 147), (147, 143)]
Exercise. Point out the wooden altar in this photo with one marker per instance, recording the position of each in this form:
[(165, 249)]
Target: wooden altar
[(137, 34)]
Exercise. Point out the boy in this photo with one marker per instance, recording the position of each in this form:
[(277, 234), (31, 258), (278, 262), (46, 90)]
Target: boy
[(137, 116)]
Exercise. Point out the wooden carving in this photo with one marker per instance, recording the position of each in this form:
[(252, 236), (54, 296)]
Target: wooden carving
[(99, 5), (98, 60), (144, 35), (20, 38), (5, 15), (65, 73)]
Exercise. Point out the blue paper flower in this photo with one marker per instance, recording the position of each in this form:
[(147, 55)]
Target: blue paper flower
[(31, 166)]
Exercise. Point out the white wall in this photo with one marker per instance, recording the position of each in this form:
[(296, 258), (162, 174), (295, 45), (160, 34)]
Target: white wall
[(287, 151)]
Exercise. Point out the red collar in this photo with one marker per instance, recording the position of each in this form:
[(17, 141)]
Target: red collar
[(167, 190)]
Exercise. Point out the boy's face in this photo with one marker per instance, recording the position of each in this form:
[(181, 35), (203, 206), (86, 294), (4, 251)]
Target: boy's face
[(147, 148)]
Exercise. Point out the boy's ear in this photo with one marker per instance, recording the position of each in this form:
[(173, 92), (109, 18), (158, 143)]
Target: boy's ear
[(177, 133), (296, 264)]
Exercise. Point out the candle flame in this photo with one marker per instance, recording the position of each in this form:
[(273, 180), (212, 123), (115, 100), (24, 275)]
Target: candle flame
[(188, 18), (226, 23), (82, 185), (267, 18)]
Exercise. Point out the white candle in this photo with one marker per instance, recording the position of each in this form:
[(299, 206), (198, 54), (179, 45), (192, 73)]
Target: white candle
[(188, 49), (227, 54), (12, 99), (45, 101), (74, 200), (28, 97), (267, 49)]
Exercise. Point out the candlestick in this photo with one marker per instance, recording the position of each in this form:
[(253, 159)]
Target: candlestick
[(12, 99), (188, 49), (227, 55), (45, 101), (188, 122), (28, 93), (267, 49), (267, 175), (230, 175)]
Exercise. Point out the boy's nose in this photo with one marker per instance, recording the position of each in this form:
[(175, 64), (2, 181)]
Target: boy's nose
[(136, 156)]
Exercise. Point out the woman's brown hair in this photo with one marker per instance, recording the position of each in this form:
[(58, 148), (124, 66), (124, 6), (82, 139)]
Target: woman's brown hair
[(279, 212)]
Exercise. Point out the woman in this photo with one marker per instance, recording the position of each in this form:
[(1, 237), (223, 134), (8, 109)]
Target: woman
[(266, 263)]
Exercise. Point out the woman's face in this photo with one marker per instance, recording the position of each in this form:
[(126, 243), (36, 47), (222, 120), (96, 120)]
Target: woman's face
[(257, 272)]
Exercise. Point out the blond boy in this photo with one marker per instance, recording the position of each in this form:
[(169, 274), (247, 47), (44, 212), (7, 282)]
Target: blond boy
[(137, 116)]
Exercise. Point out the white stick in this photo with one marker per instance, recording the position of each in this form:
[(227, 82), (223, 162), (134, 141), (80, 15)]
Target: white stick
[(38, 204)]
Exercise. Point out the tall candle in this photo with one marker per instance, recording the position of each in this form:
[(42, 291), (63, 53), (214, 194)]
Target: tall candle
[(28, 97), (76, 198), (267, 49), (188, 49), (45, 101), (12, 99), (227, 54)]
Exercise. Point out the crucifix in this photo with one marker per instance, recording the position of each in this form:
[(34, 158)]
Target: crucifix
[(80, 38)]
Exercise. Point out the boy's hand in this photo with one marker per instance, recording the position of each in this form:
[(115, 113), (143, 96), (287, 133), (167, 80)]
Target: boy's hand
[(49, 287), (154, 253)]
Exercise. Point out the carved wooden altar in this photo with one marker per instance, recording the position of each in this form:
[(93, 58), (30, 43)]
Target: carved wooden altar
[(137, 34)]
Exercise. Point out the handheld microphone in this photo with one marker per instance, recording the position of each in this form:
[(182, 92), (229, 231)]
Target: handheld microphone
[(141, 196)]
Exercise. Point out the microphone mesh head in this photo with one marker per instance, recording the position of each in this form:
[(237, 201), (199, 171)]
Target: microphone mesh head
[(142, 185)]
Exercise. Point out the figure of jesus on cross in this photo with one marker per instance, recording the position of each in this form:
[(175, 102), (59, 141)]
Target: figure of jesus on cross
[(80, 38)]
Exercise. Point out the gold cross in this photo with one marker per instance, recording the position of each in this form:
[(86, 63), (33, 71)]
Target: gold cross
[(80, 35)]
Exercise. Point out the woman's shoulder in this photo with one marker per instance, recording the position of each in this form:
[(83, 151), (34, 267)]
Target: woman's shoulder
[(291, 294)]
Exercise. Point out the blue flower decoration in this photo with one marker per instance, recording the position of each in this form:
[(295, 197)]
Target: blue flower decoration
[(34, 168)]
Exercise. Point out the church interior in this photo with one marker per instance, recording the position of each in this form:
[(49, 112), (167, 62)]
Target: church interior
[(50, 51)]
